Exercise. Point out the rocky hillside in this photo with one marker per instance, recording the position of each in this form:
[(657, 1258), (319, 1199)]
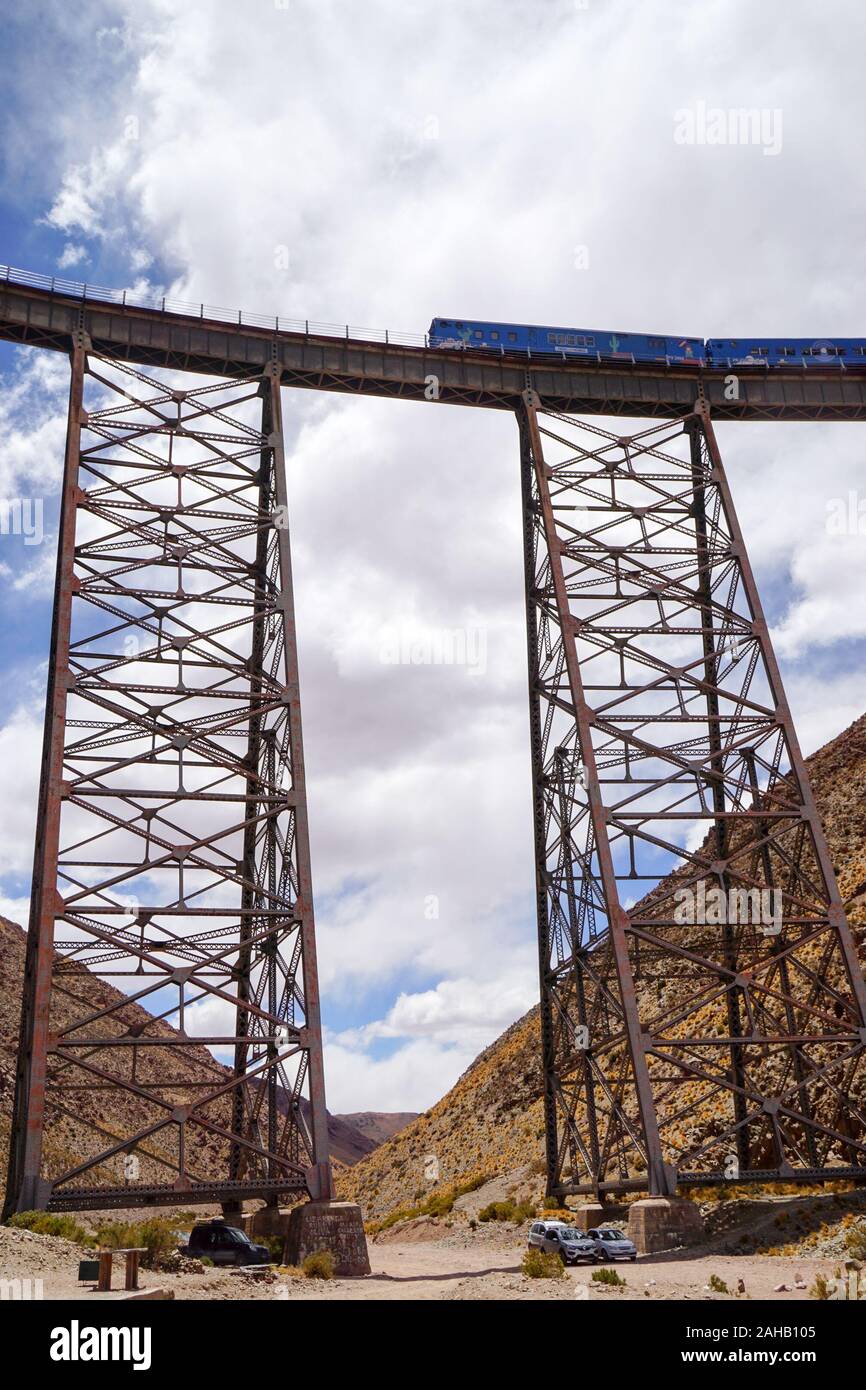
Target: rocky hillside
[(492, 1121)]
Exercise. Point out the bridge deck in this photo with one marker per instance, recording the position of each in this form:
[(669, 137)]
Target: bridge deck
[(46, 318)]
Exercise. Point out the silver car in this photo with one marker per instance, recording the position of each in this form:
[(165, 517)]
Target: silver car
[(557, 1238), (611, 1244)]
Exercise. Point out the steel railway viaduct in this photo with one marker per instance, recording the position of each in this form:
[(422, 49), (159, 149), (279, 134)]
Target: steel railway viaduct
[(172, 851)]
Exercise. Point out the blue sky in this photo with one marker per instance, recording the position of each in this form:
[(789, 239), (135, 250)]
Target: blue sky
[(381, 164)]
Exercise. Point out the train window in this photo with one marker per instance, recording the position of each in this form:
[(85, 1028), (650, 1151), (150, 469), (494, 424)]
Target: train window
[(512, 337), (656, 343), (458, 325), (787, 352), (494, 334), (861, 350), (760, 352), (477, 333)]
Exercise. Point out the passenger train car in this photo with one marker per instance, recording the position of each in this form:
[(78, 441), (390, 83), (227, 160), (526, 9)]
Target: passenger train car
[(603, 345), (785, 352), (564, 342)]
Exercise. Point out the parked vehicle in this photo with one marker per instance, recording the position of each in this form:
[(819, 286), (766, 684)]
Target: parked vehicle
[(224, 1245), (611, 1244), (558, 1238)]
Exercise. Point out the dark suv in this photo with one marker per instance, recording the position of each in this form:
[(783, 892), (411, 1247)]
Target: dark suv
[(225, 1245)]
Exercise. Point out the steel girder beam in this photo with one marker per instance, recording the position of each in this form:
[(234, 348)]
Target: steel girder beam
[(186, 342), (703, 1010), (172, 859)]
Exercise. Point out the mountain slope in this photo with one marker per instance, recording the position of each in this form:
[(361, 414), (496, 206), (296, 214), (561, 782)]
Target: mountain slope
[(374, 1127)]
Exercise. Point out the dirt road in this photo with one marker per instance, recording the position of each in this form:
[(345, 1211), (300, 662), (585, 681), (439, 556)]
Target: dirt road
[(451, 1268)]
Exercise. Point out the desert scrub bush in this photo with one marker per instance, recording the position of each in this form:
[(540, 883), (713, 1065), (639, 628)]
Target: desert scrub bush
[(507, 1211), (537, 1265), (437, 1204), (45, 1223), (822, 1289), (319, 1265), (718, 1285), (855, 1242), (392, 1219), (608, 1277), (157, 1235), (472, 1184)]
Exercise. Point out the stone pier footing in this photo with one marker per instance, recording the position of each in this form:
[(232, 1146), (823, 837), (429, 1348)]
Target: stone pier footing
[(590, 1215), (334, 1226), (663, 1223)]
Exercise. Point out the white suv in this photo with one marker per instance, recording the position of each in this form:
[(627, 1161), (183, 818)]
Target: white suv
[(557, 1238)]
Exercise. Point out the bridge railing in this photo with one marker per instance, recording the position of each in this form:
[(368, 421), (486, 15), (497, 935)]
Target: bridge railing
[(100, 294)]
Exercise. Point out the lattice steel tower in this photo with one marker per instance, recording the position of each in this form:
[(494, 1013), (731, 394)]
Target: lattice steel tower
[(173, 855), (703, 1011)]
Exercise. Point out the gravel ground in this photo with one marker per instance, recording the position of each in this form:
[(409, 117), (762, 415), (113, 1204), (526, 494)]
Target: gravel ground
[(444, 1268)]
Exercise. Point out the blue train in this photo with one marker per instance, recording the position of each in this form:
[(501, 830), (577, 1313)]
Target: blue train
[(786, 352), (567, 342), (604, 345)]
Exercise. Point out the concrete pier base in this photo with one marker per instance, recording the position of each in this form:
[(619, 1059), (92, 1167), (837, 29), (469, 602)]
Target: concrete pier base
[(334, 1226), (267, 1221), (591, 1214), (663, 1223)]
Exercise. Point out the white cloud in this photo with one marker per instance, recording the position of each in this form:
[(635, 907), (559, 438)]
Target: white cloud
[(72, 254), (443, 159), (455, 1011), (822, 707), (38, 577), (412, 1078), (88, 190), (15, 909), (33, 425), (20, 758)]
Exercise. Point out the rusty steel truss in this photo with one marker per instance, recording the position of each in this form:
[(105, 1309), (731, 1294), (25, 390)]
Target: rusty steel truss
[(703, 1012), (171, 953)]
